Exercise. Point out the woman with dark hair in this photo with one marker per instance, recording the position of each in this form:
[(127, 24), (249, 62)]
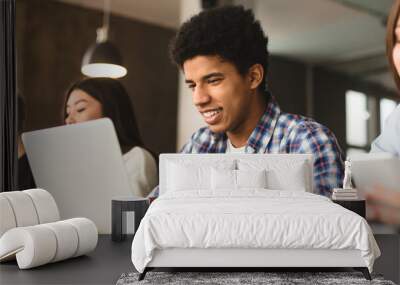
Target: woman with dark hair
[(385, 203), (95, 98)]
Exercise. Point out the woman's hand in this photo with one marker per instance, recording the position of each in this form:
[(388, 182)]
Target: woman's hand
[(384, 205)]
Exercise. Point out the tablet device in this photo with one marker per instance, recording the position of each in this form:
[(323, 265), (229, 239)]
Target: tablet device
[(369, 170), (81, 165)]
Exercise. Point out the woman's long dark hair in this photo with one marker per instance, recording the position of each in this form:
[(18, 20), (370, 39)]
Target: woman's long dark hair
[(116, 105)]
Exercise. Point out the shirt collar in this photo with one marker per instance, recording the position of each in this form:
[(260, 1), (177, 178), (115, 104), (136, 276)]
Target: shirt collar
[(262, 133)]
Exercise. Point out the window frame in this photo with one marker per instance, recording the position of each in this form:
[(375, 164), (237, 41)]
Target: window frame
[(374, 121)]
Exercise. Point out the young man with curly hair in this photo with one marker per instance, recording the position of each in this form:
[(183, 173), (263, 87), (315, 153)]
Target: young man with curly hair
[(223, 55)]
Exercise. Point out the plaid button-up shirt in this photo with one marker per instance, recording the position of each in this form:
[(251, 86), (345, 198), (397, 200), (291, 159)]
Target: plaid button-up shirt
[(279, 132)]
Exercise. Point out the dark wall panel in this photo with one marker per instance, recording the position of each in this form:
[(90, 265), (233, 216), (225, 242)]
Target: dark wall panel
[(287, 82), (51, 40), (329, 102), (330, 98)]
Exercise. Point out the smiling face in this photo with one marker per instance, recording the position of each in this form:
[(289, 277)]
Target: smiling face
[(82, 107), (227, 100)]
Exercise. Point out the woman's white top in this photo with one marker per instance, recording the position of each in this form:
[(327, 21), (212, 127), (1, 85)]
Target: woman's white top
[(141, 169), (389, 139)]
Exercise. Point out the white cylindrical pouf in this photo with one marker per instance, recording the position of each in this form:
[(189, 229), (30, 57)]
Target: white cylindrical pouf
[(45, 205), (34, 246), (23, 207), (67, 239), (87, 234), (7, 218)]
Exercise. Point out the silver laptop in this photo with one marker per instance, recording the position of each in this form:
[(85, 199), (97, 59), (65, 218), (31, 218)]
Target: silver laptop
[(81, 166)]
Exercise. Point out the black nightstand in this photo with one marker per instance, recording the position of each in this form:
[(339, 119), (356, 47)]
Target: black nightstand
[(356, 206), (126, 204)]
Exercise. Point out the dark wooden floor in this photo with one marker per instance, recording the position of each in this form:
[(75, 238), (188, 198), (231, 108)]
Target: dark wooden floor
[(389, 262), (110, 260), (102, 266)]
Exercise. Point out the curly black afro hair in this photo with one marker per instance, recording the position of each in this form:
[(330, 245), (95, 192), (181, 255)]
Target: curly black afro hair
[(230, 32)]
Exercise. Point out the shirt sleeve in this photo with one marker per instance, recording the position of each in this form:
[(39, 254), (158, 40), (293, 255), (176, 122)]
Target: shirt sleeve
[(187, 148), (197, 141), (141, 170), (328, 159), (389, 139)]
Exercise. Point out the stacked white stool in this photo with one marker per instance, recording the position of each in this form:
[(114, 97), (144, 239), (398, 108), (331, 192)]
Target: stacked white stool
[(31, 230)]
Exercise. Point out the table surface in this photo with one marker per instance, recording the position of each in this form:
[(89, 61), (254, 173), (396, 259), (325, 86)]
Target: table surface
[(102, 266)]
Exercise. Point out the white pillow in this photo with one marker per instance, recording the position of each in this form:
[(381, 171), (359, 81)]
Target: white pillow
[(182, 178), (282, 174), (186, 174), (237, 179), (251, 179), (292, 179), (223, 179)]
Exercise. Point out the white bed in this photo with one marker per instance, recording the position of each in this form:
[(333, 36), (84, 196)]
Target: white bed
[(203, 220)]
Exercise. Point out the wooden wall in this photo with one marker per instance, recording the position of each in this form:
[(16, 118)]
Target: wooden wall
[(51, 40)]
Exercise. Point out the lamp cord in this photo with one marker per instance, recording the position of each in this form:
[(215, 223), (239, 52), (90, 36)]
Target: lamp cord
[(106, 22), (106, 14)]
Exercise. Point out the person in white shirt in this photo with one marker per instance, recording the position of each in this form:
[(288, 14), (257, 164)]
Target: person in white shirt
[(95, 98), (384, 204)]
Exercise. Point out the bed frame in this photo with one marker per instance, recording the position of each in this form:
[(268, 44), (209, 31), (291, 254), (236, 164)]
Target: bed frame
[(243, 259), (246, 258)]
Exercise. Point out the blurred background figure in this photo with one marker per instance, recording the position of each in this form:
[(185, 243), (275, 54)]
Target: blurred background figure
[(25, 177), (384, 204), (96, 98)]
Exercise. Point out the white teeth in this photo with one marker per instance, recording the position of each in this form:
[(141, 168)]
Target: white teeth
[(211, 113)]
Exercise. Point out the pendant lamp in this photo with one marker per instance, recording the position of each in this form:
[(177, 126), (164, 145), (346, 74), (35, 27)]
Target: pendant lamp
[(103, 59)]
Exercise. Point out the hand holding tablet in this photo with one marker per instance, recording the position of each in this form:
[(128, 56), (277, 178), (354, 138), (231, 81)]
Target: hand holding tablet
[(378, 178), (384, 205), (376, 169)]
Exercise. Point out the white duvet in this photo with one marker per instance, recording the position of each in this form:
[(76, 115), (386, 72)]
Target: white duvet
[(253, 218)]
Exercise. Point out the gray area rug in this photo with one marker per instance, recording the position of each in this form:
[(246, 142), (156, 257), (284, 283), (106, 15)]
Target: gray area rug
[(225, 278)]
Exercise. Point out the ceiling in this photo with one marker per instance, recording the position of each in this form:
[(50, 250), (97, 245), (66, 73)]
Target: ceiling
[(344, 35), (164, 13)]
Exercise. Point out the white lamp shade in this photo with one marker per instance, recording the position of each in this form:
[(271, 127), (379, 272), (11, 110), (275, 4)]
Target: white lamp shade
[(104, 70), (103, 59)]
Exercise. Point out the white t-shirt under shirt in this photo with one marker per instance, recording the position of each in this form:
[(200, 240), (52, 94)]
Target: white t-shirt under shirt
[(231, 149), (141, 169)]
